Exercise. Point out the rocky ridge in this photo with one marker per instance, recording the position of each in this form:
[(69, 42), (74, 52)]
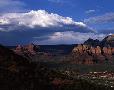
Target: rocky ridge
[(95, 51)]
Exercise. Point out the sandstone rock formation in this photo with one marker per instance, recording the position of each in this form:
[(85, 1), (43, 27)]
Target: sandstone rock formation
[(99, 51), (81, 53), (89, 55), (30, 49)]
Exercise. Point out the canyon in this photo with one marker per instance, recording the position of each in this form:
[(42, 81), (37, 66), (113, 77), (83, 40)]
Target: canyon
[(89, 53)]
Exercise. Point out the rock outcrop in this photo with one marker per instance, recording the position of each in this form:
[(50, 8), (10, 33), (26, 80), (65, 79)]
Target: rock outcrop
[(108, 41), (92, 42), (88, 54), (81, 54), (99, 51), (30, 49)]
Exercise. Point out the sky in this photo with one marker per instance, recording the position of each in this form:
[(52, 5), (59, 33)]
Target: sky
[(55, 21)]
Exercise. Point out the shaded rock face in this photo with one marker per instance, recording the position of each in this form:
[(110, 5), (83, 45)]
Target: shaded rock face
[(108, 41), (92, 42), (30, 49), (87, 54)]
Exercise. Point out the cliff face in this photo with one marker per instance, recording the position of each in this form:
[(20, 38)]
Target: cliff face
[(91, 55), (94, 51)]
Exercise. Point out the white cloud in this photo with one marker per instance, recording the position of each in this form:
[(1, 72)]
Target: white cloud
[(39, 18), (69, 37), (90, 11), (42, 27), (106, 18), (3, 21)]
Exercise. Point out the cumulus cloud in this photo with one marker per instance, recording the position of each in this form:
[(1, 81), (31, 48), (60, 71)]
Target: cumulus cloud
[(40, 19), (11, 5), (106, 18), (42, 27), (69, 37)]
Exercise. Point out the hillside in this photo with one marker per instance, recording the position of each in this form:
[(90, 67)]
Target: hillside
[(19, 73)]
